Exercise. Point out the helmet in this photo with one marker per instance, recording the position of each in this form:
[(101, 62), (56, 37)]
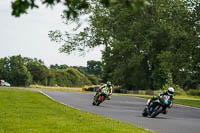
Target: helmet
[(170, 91), (109, 83)]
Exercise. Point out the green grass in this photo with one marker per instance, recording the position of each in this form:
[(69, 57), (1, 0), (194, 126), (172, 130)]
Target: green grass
[(31, 112), (192, 103), (183, 100), (40, 88)]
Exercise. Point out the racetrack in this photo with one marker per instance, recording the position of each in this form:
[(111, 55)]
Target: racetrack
[(179, 119)]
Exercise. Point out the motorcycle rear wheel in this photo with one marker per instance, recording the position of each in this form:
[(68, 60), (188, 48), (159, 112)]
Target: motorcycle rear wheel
[(98, 101), (95, 100)]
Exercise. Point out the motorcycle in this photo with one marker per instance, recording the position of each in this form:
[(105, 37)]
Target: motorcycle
[(158, 106), (99, 98)]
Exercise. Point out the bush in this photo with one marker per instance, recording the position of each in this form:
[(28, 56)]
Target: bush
[(142, 92), (149, 92), (194, 92), (123, 91), (93, 79), (71, 77), (177, 89)]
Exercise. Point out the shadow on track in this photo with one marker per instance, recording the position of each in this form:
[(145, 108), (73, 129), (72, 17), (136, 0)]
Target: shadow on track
[(167, 118)]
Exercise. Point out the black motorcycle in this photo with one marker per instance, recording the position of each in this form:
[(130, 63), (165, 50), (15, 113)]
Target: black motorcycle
[(158, 106)]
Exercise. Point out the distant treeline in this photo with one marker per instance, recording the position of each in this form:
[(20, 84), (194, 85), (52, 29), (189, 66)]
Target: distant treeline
[(23, 71)]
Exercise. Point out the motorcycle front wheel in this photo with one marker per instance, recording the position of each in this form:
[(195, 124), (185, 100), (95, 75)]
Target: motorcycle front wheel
[(95, 100), (156, 111)]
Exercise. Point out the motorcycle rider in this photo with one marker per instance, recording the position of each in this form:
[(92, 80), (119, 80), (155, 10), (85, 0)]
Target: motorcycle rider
[(169, 92), (108, 87)]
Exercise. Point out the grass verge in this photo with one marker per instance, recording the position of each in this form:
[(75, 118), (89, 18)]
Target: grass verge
[(43, 88), (31, 112)]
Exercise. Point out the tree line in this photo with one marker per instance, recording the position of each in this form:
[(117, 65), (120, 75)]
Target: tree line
[(146, 48), (23, 71), (148, 43)]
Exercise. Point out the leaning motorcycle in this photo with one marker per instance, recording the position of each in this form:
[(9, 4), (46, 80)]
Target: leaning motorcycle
[(158, 106), (99, 98)]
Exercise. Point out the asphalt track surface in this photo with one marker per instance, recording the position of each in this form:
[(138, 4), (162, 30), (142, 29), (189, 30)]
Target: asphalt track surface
[(179, 119)]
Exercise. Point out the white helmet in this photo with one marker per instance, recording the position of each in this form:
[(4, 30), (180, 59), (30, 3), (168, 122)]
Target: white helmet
[(170, 91)]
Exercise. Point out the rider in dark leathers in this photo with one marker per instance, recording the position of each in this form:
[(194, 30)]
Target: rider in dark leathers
[(169, 92)]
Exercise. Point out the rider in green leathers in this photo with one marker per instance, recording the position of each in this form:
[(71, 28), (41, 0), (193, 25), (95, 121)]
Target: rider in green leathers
[(105, 87)]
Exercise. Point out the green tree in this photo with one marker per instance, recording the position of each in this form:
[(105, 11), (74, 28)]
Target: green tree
[(93, 79), (143, 49), (51, 78), (81, 69), (14, 71), (94, 67), (56, 66), (74, 8), (4, 69), (38, 70)]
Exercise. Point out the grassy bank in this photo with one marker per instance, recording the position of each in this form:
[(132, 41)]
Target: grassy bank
[(31, 112), (36, 88)]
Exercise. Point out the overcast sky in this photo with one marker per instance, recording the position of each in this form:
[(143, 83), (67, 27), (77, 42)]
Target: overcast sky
[(28, 36)]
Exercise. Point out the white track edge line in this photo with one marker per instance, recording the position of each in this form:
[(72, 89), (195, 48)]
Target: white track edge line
[(58, 101)]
